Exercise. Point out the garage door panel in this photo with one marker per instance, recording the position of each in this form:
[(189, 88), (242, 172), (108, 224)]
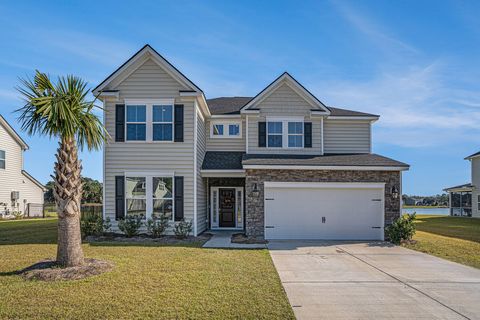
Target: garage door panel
[(324, 213)]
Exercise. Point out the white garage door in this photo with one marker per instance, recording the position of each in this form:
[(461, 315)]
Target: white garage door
[(333, 211)]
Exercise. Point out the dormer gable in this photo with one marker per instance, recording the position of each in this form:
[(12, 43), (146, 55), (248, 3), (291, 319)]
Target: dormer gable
[(286, 83)]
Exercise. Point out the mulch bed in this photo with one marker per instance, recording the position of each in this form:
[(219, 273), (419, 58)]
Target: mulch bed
[(171, 240), (49, 270), (242, 238)]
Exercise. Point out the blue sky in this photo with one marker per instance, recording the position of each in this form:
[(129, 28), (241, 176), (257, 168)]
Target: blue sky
[(416, 63)]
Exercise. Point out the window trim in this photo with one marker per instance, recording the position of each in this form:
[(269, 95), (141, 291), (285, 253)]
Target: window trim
[(149, 190), (4, 160), (226, 129), (296, 134), (285, 133), (149, 103)]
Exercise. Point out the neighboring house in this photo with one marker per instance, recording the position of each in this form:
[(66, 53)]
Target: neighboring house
[(277, 165), (19, 191), (464, 200)]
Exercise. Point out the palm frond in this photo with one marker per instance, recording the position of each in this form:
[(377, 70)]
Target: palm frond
[(60, 110)]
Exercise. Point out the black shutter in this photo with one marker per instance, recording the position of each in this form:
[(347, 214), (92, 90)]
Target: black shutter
[(119, 197), (307, 134), (120, 122), (178, 131), (178, 198), (262, 134)]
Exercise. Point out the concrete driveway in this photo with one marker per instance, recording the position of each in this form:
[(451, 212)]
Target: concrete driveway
[(353, 280)]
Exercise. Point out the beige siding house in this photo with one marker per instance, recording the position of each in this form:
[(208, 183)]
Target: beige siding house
[(464, 200), (241, 163), (19, 191)]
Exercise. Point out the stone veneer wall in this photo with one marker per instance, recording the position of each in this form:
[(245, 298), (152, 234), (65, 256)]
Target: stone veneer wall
[(254, 221)]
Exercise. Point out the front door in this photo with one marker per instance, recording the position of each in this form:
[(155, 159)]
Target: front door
[(226, 207)]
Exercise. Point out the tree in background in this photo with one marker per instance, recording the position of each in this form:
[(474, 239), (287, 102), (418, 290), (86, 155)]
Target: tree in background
[(92, 191), (61, 110)]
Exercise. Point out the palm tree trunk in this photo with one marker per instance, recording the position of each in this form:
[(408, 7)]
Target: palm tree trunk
[(68, 193)]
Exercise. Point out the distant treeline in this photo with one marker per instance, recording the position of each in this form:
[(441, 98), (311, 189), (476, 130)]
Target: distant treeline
[(92, 191), (436, 200)]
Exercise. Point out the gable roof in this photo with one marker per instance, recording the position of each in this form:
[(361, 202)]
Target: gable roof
[(462, 187), (233, 105), (13, 133), (476, 154), (286, 78), (159, 59), (35, 181)]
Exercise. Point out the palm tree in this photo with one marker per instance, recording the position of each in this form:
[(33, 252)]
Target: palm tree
[(62, 111)]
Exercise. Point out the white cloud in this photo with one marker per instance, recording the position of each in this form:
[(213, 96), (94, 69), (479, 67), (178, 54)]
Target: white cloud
[(417, 106), (99, 49), (9, 94), (374, 32)]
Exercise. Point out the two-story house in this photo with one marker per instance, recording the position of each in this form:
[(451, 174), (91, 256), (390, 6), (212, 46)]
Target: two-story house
[(279, 165), (464, 200), (19, 191)]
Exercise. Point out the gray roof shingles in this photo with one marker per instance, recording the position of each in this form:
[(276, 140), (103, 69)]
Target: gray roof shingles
[(232, 105), (365, 159), (219, 160), (222, 160)]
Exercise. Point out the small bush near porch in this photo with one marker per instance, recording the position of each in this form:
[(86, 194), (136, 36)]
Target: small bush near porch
[(452, 238), (147, 282)]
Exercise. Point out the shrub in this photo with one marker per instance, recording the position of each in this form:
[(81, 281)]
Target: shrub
[(402, 229), (182, 229), (107, 224), (17, 215), (130, 226), (157, 226), (93, 224)]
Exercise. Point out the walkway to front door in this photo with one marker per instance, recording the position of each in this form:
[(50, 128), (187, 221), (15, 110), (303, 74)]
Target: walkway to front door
[(226, 208)]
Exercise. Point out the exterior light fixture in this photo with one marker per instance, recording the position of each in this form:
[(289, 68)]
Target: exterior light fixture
[(394, 192), (255, 191)]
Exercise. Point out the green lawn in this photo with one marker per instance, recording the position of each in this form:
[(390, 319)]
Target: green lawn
[(148, 282), (451, 238)]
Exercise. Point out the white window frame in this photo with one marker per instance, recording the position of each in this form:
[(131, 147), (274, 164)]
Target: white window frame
[(165, 122), (285, 134), (226, 129), (4, 160), (135, 122), (276, 134), (149, 103), (149, 190), (296, 134)]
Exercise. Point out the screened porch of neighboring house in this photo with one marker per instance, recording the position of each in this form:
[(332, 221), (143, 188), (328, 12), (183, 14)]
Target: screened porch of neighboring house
[(460, 200)]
